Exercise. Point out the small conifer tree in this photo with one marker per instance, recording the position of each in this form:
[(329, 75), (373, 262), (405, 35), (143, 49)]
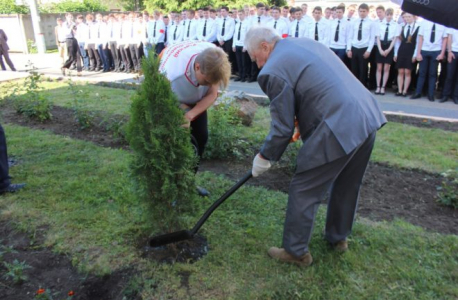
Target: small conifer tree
[(164, 159)]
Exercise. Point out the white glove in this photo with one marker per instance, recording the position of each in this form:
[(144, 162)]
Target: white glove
[(260, 165)]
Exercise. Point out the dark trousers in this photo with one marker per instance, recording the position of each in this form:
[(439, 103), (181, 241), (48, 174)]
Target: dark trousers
[(7, 60), (373, 68), (199, 134), (308, 188), (159, 47), (359, 64), (243, 60), (84, 55), (451, 82), (125, 57), (341, 53), (94, 57), (4, 175), (74, 56), (135, 56), (428, 68), (104, 57), (115, 54)]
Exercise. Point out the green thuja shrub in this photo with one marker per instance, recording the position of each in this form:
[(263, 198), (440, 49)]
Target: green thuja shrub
[(163, 157)]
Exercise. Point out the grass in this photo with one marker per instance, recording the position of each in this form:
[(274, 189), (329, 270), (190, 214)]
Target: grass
[(85, 197), (400, 145)]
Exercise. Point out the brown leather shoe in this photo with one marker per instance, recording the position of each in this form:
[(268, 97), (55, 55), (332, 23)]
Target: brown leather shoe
[(283, 256), (341, 246)]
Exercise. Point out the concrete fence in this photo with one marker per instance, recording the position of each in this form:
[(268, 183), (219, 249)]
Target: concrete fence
[(19, 30)]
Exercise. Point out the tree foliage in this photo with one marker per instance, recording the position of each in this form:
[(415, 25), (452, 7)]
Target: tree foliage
[(73, 6), (167, 5), (10, 7), (164, 158)]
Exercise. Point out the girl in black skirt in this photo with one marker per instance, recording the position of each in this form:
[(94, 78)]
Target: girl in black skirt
[(386, 38), (404, 53)]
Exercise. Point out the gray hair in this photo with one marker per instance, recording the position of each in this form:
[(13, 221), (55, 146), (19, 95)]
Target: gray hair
[(258, 34)]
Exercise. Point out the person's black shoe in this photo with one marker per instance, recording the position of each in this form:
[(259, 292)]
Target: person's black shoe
[(398, 94), (12, 188), (237, 79), (243, 80), (251, 80), (444, 99), (431, 98), (455, 100), (415, 96), (202, 192)]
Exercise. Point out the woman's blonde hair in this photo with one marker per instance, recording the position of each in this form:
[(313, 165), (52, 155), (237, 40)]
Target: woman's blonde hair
[(215, 65)]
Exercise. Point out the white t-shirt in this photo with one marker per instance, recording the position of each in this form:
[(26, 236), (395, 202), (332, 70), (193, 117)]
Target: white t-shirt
[(177, 63)]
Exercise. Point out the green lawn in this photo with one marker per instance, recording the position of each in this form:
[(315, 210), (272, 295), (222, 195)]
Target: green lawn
[(84, 195)]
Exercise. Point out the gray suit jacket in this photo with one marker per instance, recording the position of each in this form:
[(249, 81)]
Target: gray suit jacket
[(3, 41), (336, 113)]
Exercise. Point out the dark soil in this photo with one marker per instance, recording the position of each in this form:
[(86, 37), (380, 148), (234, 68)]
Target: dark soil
[(387, 193), (53, 272)]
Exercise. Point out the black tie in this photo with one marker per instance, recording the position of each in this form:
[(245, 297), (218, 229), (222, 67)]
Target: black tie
[(165, 35), (175, 32), (386, 32), (205, 29), (360, 30), (224, 27), (433, 34), (408, 31), (154, 30), (259, 20), (275, 25), (189, 27), (336, 36), (316, 31), (297, 30), (240, 27)]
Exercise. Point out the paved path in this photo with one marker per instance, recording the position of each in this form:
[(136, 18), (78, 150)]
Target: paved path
[(48, 64)]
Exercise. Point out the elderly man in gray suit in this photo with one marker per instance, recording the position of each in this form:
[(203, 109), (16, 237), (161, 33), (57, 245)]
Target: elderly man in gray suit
[(4, 52), (337, 118)]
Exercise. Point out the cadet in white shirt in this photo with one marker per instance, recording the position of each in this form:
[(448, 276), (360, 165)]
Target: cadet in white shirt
[(206, 30), (91, 45), (451, 82), (61, 42), (82, 35), (339, 34), (386, 39), (362, 34), (130, 34), (298, 27), (156, 32), (190, 26), (430, 50), (224, 35), (175, 33), (242, 57), (306, 18), (319, 31), (101, 42), (260, 18), (278, 23)]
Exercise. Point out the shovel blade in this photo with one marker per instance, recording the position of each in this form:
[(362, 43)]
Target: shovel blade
[(169, 238)]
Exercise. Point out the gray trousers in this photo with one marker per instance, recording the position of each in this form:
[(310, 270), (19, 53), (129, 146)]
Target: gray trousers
[(308, 188), (6, 55)]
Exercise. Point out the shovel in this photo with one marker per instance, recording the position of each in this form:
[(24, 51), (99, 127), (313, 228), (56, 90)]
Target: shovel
[(182, 235)]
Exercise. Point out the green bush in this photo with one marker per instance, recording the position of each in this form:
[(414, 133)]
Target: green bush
[(73, 6), (83, 115), (448, 191), (223, 132), (163, 157), (30, 101), (10, 7)]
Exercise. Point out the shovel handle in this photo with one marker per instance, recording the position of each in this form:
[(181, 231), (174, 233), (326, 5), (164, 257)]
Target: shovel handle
[(220, 201)]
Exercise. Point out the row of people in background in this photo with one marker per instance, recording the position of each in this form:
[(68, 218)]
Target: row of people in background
[(369, 46)]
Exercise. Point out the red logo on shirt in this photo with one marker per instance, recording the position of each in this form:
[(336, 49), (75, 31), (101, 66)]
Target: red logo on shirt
[(161, 31), (284, 35)]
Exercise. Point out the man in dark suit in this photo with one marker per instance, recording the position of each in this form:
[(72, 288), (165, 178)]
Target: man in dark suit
[(337, 118), (4, 51), (5, 184), (438, 11)]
